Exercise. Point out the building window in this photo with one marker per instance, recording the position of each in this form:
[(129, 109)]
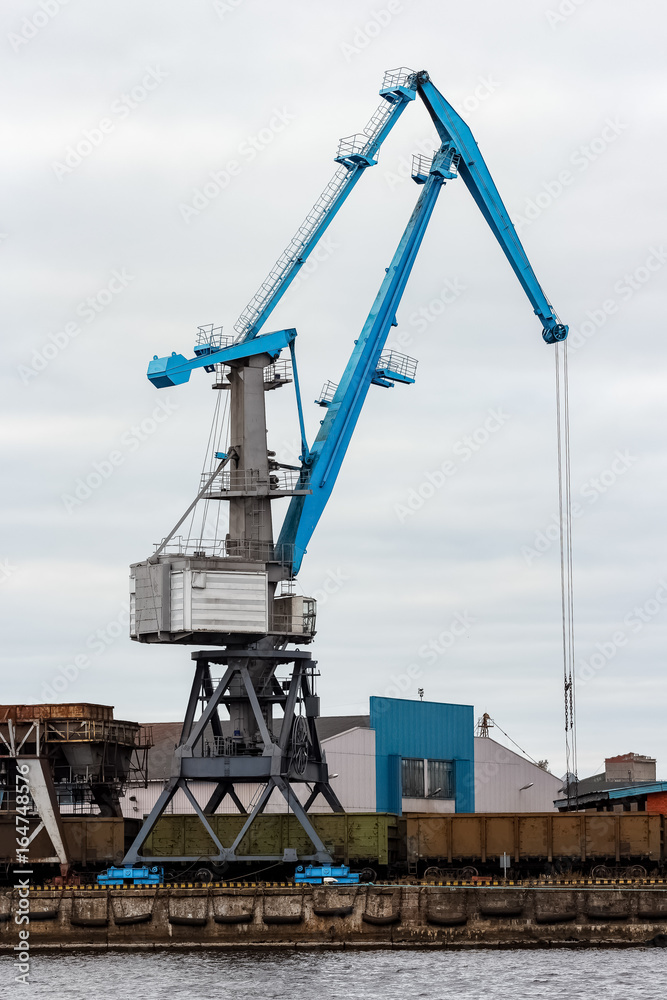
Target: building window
[(441, 779), (413, 778)]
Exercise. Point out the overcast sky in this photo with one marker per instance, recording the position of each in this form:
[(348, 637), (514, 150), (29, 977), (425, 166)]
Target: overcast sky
[(116, 115)]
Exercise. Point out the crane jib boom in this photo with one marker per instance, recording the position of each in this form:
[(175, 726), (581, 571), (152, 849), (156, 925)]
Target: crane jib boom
[(460, 152), (328, 451), (458, 155), (475, 175)]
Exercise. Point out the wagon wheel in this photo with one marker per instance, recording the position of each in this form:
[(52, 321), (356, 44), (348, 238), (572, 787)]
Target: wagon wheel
[(433, 872), (367, 875), (636, 871), (600, 871), (468, 872), (203, 875)]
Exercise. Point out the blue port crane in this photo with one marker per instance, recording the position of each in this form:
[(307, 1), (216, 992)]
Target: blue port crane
[(228, 595)]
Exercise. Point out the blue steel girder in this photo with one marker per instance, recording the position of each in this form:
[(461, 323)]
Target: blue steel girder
[(289, 264), (330, 445), (475, 175), (175, 369)]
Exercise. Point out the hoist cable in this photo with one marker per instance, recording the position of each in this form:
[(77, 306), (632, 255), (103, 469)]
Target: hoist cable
[(566, 571), (570, 579)]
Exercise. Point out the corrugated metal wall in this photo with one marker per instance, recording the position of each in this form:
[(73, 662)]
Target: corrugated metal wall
[(424, 729), (501, 777), (350, 755)]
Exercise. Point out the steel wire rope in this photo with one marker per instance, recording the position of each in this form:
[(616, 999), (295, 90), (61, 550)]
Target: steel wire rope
[(218, 428), (524, 752), (566, 569), (218, 425)]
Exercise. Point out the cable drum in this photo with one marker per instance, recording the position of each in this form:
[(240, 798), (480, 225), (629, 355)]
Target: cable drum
[(299, 746)]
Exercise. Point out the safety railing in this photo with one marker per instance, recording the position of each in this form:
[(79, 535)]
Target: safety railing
[(89, 731), (251, 483), (327, 393), (244, 549), (291, 624), (401, 364), (212, 336), (402, 76), (278, 373)]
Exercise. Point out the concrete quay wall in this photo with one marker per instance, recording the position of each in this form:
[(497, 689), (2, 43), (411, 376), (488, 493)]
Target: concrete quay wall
[(330, 916)]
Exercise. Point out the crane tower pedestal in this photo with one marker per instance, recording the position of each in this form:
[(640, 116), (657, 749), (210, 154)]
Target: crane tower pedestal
[(224, 593)]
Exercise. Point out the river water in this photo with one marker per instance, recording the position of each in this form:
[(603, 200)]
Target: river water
[(625, 974)]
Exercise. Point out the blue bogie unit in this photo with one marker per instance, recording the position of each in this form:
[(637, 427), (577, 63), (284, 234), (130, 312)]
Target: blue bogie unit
[(319, 874), (132, 875)]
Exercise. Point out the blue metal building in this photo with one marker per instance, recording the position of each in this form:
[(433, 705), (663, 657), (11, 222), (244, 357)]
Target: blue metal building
[(425, 752)]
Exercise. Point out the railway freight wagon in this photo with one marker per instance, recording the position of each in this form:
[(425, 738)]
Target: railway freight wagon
[(351, 838), (90, 841), (537, 843)]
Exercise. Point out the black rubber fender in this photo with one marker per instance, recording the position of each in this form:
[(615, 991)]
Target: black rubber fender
[(386, 921), (135, 918), (334, 911), (233, 918)]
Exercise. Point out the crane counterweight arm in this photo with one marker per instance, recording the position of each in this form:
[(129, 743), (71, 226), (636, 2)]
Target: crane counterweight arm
[(475, 175)]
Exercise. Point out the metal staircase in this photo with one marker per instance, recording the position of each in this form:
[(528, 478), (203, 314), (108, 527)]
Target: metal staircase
[(292, 256), (355, 154)]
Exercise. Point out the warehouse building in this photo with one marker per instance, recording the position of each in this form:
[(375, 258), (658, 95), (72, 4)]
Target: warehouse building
[(404, 756), (627, 784)]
